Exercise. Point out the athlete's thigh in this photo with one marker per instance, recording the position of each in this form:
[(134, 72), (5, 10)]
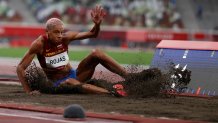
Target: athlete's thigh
[(86, 68)]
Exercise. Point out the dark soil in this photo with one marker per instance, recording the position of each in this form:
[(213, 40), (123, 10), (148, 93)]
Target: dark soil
[(188, 108), (144, 96)]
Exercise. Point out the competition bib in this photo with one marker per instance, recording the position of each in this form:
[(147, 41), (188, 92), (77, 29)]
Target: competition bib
[(57, 60)]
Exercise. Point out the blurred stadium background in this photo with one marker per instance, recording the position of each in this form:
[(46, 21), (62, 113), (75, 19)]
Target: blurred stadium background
[(132, 29), (129, 24)]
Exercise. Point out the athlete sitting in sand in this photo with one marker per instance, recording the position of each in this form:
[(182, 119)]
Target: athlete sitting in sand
[(52, 53)]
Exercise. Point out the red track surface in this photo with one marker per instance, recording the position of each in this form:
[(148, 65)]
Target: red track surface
[(17, 113)]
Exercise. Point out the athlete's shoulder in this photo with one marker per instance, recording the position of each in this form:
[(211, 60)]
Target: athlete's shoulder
[(37, 44), (38, 41)]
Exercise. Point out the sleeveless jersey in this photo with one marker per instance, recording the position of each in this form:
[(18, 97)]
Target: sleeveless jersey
[(54, 57)]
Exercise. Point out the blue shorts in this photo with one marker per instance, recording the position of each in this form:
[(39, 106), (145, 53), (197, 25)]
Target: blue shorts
[(72, 74)]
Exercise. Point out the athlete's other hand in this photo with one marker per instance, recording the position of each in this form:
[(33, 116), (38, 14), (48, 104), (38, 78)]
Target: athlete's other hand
[(34, 93), (97, 14)]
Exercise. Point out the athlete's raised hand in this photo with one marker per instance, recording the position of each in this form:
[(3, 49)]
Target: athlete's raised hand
[(97, 14)]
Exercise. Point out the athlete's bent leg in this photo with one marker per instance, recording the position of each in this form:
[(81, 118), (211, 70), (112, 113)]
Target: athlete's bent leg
[(87, 66)]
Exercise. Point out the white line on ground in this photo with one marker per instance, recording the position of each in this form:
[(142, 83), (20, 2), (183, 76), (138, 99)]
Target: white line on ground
[(9, 83), (39, 118)]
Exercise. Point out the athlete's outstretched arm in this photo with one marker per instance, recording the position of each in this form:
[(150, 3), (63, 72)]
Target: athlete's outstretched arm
[(25, 62), (97, 15)]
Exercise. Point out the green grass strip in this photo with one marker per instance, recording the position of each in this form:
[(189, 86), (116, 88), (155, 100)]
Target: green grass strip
[(123, 57)]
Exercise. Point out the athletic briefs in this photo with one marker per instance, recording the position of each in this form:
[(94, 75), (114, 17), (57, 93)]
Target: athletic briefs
[(72, 74)]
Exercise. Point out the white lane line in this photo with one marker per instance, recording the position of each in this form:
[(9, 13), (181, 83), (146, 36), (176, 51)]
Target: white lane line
[(10, 83), (39, 118)]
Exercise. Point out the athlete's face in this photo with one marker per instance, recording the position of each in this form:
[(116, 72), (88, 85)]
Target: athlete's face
[(55, 34)]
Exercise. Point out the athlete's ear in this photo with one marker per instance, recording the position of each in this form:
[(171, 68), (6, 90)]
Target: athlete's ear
[(46, 30), (46, 33)]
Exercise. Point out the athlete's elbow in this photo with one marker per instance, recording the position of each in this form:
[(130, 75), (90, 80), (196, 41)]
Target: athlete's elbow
[(19, 69), (94, 35)]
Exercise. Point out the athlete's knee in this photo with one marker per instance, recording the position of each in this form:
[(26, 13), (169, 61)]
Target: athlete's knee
[(97, 53)]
